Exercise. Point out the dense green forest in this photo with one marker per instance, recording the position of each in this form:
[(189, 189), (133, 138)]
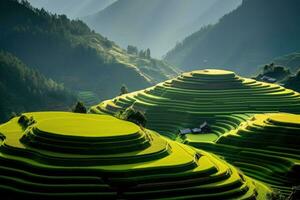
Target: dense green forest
[(157, 24), (69, 52), (25, 89), (249, 36)]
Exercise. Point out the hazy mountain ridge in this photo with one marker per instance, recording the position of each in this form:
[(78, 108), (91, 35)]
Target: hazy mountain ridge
[(73, 8), (253, 34), (69, 52), (156, 24)]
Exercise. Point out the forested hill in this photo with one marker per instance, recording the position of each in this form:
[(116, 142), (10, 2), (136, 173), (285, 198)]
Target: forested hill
[(24, 89), (69, 52), (253, 34), (157, 24)]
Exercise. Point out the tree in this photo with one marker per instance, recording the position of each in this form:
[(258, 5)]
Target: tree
[(138, 118), (275, 195), (268, 68), (132, 115), (148, 53), (142, 54), (107, 43), (24, 121), (132, 49), (123, 90), (275, 71), (79, 108)]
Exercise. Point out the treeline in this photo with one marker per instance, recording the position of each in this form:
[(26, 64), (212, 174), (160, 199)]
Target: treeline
[(142, 53), (26, 17)]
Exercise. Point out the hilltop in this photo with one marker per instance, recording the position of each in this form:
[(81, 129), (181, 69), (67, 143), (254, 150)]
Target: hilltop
[(105, 157), (69, 52), (219, 97), (253, 34), (24, 89), (265, 147)]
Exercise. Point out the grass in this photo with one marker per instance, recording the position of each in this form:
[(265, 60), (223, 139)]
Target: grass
[(86, 155)]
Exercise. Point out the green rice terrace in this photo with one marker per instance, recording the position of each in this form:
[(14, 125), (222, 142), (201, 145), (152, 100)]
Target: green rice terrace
[(264, 146), (267, 147), (219, 97), (60, 154), (89, 98)]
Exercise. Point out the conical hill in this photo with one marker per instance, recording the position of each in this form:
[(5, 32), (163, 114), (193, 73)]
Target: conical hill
[(57, 154)]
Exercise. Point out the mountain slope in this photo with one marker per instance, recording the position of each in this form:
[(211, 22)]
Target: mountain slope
[(284, 70), (74, 8), (156, 24), (24, 89), (69, 52), (254, 33), (291, 61)]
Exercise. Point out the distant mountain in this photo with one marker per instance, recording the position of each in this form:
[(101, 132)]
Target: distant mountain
[(157, 24), (254, 33), (69, 52), (24, 89), (73, 8)]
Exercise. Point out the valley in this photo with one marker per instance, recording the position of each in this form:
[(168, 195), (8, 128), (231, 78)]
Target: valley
[(150, 99)]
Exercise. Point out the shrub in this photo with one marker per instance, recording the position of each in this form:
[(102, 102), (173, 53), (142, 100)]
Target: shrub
[(79, 108), (123, 90), (132, 49), (132, 115), (24, 121), (275, 195), (138, 118)]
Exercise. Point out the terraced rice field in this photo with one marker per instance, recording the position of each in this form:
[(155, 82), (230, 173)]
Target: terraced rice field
[(219, 97), (264, 146), (267, 147), (85, 155)]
